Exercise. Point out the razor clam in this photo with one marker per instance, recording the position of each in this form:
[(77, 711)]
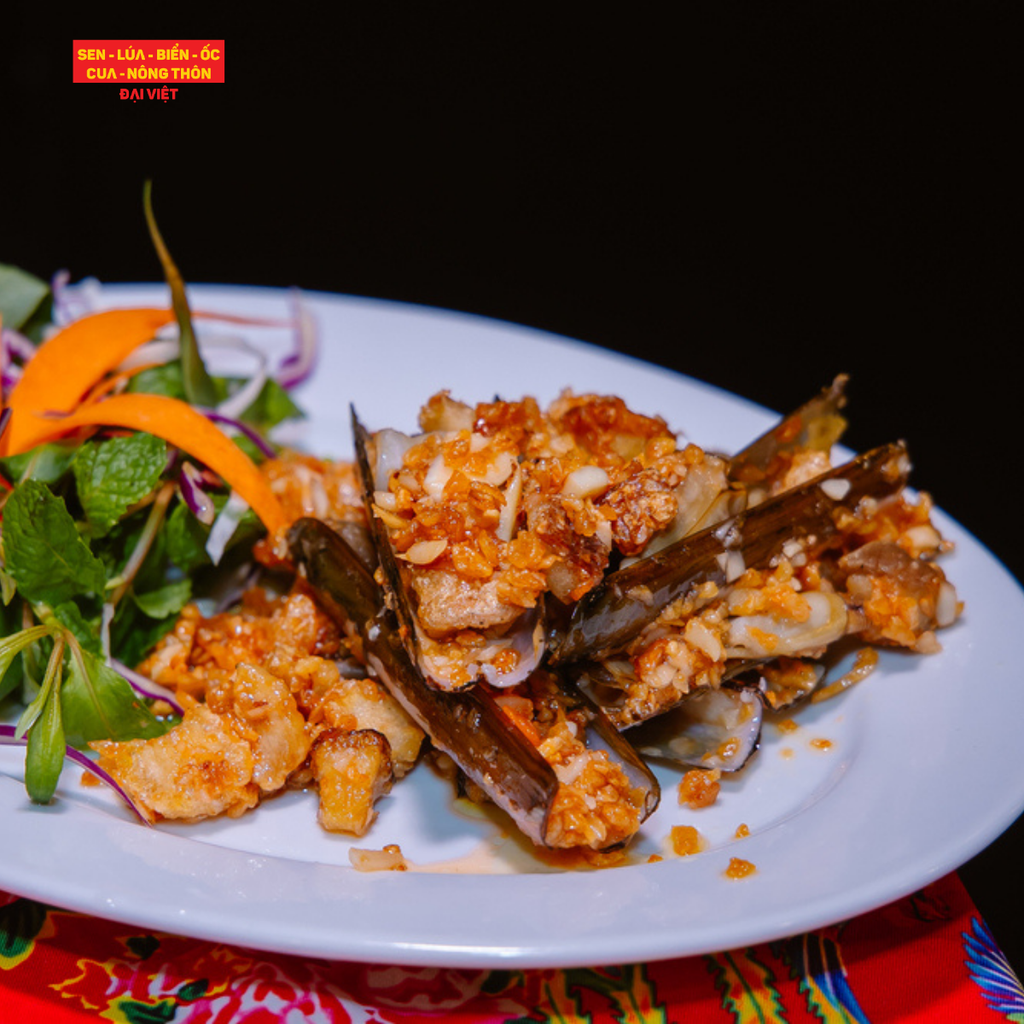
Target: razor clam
[(707, 647), (713, 728), (785, 682), (716, 492), (503, 656), (668, 665), (469, 725), (816, 426), (799, 521), (711, 495)]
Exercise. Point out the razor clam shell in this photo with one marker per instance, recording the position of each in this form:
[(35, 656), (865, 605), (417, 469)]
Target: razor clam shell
[(467, 724), (800, 519), (359, 539), (817, 424), (527, 635), (711, 728), (780, 697), (608, 684)]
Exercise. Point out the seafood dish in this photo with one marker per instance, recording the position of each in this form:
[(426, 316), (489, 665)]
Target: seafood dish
[(539, 602)]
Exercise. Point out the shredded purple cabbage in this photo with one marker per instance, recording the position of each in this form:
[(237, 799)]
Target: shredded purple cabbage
[(253, 435), (12, 345), (145, 687), (195, 498), (8, 736), (17, 345), (298, 365), (70, 303)]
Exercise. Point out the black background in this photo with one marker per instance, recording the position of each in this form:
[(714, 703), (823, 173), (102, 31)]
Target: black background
[(757, 197)]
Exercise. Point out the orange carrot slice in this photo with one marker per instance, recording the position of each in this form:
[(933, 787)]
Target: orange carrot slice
[(173, 420), (70, 362), (112, 382)]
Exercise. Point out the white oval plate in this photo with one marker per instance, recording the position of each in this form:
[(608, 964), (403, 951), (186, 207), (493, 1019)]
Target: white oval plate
[(836, 829)]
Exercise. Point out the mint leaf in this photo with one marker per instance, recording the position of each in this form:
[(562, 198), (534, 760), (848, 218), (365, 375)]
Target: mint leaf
[(85, 630), (97, 703), (23, 297), (253, 450), (43, 552), (186, 539), (271, 406), (116, 547), (159, 380), (166, 600), (46, 463), (113, 475)]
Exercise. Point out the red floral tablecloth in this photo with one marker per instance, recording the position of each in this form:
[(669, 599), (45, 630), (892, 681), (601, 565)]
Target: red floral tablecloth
[(928, 957)]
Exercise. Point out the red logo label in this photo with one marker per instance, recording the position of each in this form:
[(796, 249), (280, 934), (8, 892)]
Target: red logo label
[(134, 62)]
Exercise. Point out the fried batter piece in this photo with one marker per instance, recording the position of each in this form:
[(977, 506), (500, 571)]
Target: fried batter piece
[(266, 706), (353, 770), (200, 769), (354, 705), (265, 676), (265, 709), (901, 600), (216, 761), (307, 486)]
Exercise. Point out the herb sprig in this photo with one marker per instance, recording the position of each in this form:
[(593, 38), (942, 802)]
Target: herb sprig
[(99, 552)]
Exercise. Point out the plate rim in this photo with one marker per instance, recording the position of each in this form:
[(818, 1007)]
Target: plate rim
[(541, 953)]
